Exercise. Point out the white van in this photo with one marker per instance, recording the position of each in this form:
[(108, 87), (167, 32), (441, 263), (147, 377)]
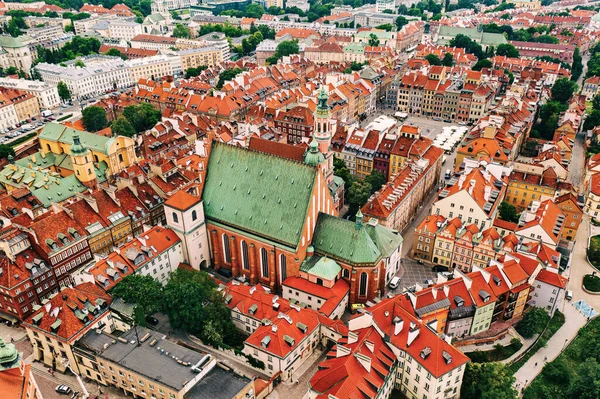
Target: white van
[(394, 283), (47, 113), (27, 127), (569, 295)]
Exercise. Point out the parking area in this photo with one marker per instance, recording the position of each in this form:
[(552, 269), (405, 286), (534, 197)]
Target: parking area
[(411, 273)]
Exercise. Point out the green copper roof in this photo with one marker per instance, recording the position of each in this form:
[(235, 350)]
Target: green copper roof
[(14, 42), (259, 193), (60, 133), (386, 240), (340, 239), (8, 353), (313, 157), (473, 34), (77, 148), (321, 266)]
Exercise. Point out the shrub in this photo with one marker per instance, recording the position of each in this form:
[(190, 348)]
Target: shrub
[(533, 322), (591, 282)]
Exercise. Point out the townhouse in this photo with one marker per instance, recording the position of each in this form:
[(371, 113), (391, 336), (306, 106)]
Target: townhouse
[(473, 197), (282, 335), (55, 326), (395, 205), (542, 222), (46, 94)]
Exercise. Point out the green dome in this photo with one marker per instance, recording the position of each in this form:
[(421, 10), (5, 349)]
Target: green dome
[(77, 148), (313, 157), (8, 353)]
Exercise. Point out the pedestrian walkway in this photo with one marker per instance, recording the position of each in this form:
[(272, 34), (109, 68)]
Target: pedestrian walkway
[(510, 334), (574, 320)]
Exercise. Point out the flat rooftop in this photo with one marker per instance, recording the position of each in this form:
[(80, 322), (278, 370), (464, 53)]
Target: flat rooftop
[(218, 384), (155, 358)]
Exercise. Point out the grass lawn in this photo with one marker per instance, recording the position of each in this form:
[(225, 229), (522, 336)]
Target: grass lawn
[(557, 377), (555, 323), (591, 283), (498, 353), (588, 106)]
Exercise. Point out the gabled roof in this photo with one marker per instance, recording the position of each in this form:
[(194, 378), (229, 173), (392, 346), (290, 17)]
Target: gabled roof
[(259, 193), (70, 312), (345, 376), (341, 239), (182, 200)]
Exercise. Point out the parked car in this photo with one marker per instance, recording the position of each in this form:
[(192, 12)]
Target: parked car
[(462, 123), (152, 320), (569, 295), (394, 282), (63, 389), (439, 269), (428, 282), (437, 118)]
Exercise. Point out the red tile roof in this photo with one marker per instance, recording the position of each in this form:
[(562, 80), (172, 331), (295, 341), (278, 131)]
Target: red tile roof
[(66, 306), (333, 296), (342, 375), (283, 150), (182, 200)]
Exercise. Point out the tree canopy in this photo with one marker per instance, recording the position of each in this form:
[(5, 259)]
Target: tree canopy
[(228, 74), (508, 212), (93, 118), (5, 151), (507, 50), (433, 59), (470, 46), (193, 303), (534, 321), (142, 116), (182, 31), (63, 91), (142, 290), (563, 90), (487, 381), (122, 127)]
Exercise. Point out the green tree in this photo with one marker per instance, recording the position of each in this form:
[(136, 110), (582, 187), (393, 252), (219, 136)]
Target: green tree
[(93, 118), (193, 72), (586, 383), (469, 45), (376, 180), (63, 91), (479, 65), (401, 21), (592, 120), (142, 116), (358, 194), (181, 31), (35, 75), (254, 11), (116, 53), (227, 75), (80, 63), (508, 212), (577, 66), (534, 321), (508, 50), (448, 60), (433, 59), (385, 27), (5, 151), (373, 40), (563, 90), (122, 127), (288, 47), (487, 381), (192, 302), (11, 70), (596, 102), (144, 291)]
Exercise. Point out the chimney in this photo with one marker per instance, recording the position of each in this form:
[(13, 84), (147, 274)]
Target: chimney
[(310, 251), (413, 333)]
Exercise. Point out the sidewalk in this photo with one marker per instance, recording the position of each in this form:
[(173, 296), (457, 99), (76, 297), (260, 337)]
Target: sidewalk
[(228, 360), (574, 320)]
